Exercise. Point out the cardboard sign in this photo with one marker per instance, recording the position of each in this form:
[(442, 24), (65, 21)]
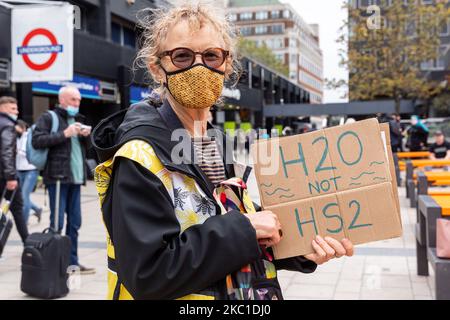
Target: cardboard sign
[(337, 182)]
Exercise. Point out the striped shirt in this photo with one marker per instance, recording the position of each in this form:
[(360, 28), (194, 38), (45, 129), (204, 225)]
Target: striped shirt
[(209, 159)]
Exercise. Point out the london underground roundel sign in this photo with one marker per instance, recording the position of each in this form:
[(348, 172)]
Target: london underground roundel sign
[(52, 48), (42, 43)]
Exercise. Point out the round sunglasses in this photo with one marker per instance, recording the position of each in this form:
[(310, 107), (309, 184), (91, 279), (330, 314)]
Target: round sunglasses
[(184, 57)]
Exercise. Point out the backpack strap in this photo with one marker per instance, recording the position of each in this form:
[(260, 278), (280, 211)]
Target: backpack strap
[(55, 121)]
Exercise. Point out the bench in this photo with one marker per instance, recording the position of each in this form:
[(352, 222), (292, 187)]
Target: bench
[(404, 156), (423, 184), (427, 163), (433, 175), (413, 155), (429, 209)]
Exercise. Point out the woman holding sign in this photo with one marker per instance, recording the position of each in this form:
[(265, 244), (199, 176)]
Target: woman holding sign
[(171, 234)]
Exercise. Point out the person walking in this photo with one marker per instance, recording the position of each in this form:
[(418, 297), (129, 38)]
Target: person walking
[(417, 135), (28, 174), (66, 163), (168, 237), (395, 133), (8, 173)]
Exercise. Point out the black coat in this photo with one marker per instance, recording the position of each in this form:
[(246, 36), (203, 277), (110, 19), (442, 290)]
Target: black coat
[(152, 259), (60, 147), (396, 133), (8, 137), (417, 139)]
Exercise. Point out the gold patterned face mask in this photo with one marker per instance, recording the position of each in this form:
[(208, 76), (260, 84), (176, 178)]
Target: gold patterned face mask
[(197, 87)]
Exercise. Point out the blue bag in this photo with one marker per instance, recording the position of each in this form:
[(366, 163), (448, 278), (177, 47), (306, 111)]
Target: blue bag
[(38, 157)]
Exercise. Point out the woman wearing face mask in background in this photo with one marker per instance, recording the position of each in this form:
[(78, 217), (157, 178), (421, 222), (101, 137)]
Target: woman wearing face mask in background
[(167, 236), (417, 135), (28, 174)]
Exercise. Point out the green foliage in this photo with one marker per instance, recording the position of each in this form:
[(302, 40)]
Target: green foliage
[(262, 55), (385, 62)]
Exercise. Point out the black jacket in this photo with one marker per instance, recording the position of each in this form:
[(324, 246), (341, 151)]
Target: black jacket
[(417, 139), (152, 259), (395, 133), (60, 147), (8, 141)]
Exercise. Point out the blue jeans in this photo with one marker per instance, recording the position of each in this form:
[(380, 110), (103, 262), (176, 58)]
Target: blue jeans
[(28, 181), (70, 204)]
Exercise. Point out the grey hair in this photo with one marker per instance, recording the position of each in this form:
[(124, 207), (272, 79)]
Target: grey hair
[(65, 89)]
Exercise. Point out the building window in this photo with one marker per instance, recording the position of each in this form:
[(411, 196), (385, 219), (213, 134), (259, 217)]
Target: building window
[(293, 75), (286, 14), (293, 43), (427, 65), (233, 17), (275, 43), (410, 28), (440, 63), (116, 33), (364, 3), (122, 35), (280, 57), (129, 38), (246, 16), (293, 59), (278, 28), (261, 29), (445, 28), (278, 43), (275, 14), (437, 64), (246, 31), (262, 15)]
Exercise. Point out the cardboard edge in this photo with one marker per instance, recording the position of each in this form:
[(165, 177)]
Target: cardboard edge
[(384, 127)]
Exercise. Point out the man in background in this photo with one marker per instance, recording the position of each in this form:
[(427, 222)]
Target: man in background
[(65, 162), (8, 173), (441, 148), (396, 133)]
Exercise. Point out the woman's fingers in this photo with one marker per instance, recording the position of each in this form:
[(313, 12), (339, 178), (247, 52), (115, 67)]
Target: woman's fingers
[(266, 225), (319, 256), (329, 248), (330, 252), (337, 246), (348, 245)]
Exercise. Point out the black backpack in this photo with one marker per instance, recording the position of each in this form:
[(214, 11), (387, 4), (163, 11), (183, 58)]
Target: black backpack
[(45, 261)]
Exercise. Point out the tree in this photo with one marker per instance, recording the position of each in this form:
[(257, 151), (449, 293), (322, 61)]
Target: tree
[(441, 104), (385, 61), (262, 54)]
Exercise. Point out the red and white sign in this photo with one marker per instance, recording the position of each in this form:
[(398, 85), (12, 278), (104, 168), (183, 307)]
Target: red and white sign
[(42, 43)]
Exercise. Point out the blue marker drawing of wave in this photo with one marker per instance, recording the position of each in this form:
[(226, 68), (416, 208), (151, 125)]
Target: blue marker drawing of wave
[(355, 184), (362, 174), (277, 190), (379, 178), (376, 162), (287, 196), (266, 185)]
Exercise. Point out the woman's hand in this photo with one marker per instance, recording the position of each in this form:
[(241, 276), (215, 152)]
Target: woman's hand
[(329, 248), (267, 226)]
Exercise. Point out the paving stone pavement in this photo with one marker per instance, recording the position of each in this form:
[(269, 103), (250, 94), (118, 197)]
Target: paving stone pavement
[(380, 270)]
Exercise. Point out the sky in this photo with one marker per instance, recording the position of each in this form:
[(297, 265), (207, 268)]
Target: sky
[(330, 16)]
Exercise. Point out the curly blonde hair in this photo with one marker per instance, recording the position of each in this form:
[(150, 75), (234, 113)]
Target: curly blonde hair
[(156, 24)]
